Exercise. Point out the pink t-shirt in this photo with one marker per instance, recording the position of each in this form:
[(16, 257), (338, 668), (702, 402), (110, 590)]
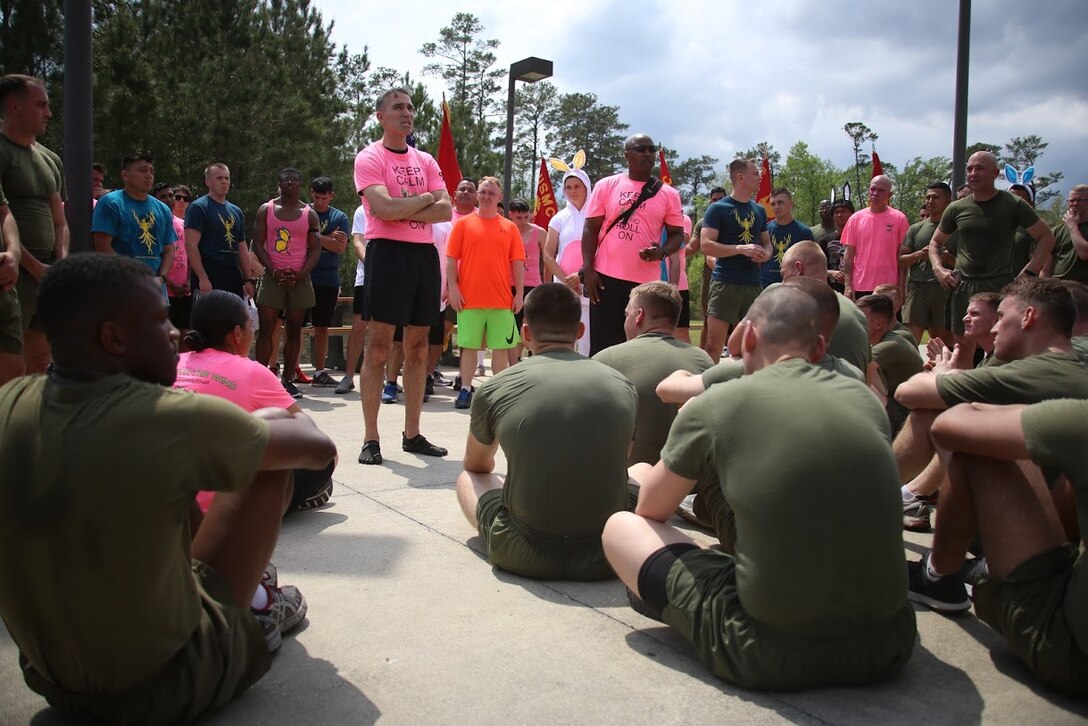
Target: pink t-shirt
[(286, 240), (179, 273), (406, 174), (683, 285), (875, 239), (531, 241), (239, 380), (617, 251)]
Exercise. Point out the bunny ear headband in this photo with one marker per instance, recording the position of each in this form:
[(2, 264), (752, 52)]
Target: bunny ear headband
[(845, 192), (574, 169), (1021, 178)]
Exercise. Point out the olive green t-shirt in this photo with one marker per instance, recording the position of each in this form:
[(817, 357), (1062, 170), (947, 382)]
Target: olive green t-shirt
[(564, 423), (96, 584), (918, 238), (987, 231), (729, 369), (1029, 380), (1055, 435), (1023, 247), (646, 361), (769, 439), (29, 177), (850, 341), (1080, 347), (1067, 265), (904, 332), (898, 361)]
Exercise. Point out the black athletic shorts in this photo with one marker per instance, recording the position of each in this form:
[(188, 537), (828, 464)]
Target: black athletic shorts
[(607, 316), (685, 310), (520, 314), (325, 299), (435, 335), (358, 304), (403, 282), (222, 278), (181, 309)]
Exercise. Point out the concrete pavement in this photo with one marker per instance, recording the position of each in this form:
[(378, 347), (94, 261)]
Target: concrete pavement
[(409, 624)]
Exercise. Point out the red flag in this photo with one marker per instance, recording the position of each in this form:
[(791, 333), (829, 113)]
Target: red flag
[(545, 198), (447, 152), (878, 168), (763, 196), (666, 177)]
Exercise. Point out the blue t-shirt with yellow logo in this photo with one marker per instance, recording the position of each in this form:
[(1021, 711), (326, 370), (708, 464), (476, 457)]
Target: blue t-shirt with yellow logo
[(783, 236), (738, 223), (141, 229)]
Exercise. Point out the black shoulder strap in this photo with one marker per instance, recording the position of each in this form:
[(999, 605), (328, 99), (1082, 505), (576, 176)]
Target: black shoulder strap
[(649, 189)]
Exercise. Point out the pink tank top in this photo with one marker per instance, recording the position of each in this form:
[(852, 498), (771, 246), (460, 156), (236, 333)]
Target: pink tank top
[(286, 241), (531, 242)]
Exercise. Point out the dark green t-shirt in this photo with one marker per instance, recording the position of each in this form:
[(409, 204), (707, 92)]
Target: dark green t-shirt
[(29, 177), (1023, 247), (1080, 347), (904, 332), (96, 584), (1067, 265), (729, 369), (768, 437), (1029, 380), (898, 361), (564, 423), (1055, 435), (987, 232), (646, 361), (918, 237), (850, 341)]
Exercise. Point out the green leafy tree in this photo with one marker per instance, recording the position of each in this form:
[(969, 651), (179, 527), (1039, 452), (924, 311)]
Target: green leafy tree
[(910, 183), (809, 178), (694, 176), (533, 103), (859, 134), (763, 150), (580, 122), (466, 62), (30, 44), (1025, 151)]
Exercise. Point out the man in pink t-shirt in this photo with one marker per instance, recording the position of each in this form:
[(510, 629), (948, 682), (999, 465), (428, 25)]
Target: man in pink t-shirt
[(871, 240), (622, 249), (285, 242), (403, 193)]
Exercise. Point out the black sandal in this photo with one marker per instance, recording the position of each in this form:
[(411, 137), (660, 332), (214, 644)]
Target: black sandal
[(371, 453), (420, 445)]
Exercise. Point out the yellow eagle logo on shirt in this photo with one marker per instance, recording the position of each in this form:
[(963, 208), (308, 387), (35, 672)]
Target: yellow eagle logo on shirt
[(147, 237), (228, 229), (746, 225)]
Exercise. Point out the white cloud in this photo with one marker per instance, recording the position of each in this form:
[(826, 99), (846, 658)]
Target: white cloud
[(716, 78)]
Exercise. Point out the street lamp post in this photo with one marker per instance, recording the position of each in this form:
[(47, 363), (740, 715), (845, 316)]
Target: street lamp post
[(529, 70)]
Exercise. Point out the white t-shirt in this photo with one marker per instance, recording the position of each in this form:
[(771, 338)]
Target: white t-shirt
[(358, 226), (441, 239), (568, 223)]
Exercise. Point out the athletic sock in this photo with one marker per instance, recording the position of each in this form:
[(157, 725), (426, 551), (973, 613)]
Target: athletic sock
[(260, 598), (908, 495), (931, 574)]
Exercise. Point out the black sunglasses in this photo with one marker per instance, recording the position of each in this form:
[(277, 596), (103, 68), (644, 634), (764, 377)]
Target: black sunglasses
[(182, 198)]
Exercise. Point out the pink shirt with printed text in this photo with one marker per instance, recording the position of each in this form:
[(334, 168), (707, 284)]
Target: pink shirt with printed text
[(875, 239), (406, 174), (617, 251), (285, 240), (243, 382), (179, 272)]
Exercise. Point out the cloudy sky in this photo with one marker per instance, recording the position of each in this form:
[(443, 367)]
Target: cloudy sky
[(718, 78)]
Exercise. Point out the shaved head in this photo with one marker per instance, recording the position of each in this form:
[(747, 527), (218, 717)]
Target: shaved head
[(805, 259)]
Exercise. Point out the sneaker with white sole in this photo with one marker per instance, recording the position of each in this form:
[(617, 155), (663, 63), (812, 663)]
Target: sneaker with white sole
[(323, 380), (286, 608), (945, 594), (292, 390), (389, 392), (346, 385), (916, 514)]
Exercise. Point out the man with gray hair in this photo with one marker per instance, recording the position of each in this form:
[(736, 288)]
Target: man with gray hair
[(871, 239)]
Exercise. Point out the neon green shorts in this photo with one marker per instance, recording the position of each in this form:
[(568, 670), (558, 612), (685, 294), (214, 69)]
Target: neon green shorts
[(497, 323)]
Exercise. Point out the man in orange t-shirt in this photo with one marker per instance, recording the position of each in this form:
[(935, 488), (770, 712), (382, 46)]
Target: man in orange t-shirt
[(484, 252)]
